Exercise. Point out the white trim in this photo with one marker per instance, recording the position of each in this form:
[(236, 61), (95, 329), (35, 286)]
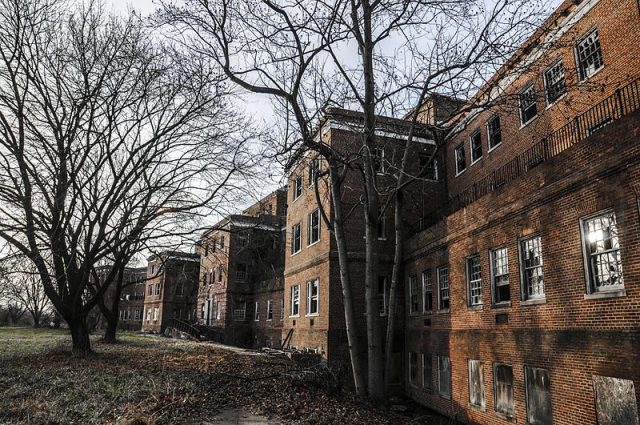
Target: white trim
[(379, 132)]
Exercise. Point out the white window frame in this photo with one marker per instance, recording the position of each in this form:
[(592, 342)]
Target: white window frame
[(504, 273), (456, 150), (296, 228), (298, 186), (585, 73), (269, 310), (545, 77), (156, 314), (491, 135), (528, 87), (441, 298), (526, 296), (475, 134), (294, 304), (310, 228), (474, 282), (314, 169), (256, 312), (311, 298)]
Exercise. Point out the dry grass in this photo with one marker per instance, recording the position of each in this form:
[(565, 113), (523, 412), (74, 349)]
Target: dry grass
[(154, 380)]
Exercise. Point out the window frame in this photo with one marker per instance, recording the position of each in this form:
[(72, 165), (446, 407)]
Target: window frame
[(294, 295), (490, 135), (413, 284), (483, 401), (413, 378), (507, 415), (526, 390), (494, 276), (468, 273), (378, 160), (534, 104), (298, 186), (525, 297), (429, 357), (430, 172), (459, 148), (314, 169), (310, 229), (427, 273), (310, 297), (298, 225), (546, 82), (476, 135), (440, 393), (256, 312), (582, 74), (269, 310), (440, 297)]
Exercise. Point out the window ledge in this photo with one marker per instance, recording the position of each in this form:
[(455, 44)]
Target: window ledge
[(549, 105), (504, 416), (505, 304), (312, 315), (529, 122), (314, 243), (444, 311), (535, 301), (461, 172), (608, 294), (597, 71), (477, 408), (494, 148), (479, 307), (475, 162), (427, 313)]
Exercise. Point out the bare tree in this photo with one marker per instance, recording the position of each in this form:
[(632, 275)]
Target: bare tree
[(109, 141), (374, 56), (23, 291)]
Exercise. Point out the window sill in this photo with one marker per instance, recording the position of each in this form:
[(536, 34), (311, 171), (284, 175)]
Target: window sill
[(494, 148), (596, 72), (427, 313), (296, 253), (523, 125), (477, 408), (549, 105), (312, 315), (504, 416), (461, 172), (536, 301), (608, 294), (294, 317), (444, 311), (478, 307), (475, 162), (505, 304), (313, 243)]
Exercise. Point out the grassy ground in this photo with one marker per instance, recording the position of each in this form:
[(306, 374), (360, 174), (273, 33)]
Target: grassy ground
[(149, 380)]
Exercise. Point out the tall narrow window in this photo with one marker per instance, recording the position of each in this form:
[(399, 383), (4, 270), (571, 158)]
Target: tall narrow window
[(241, 272), (494, 132), (427, 292), (602, 253), (474, 280), (589, 55), (313, 232), (295, 300), (476, 384), (378, 160), (312, 297), (503, 389), (413, 295), (269, 310), (157, 289), (218, 310), (427, 371), (476, 146), (444, 377), (531, 268), (427, 166), (314, 168), (243, 239), (297, 187), (461, 162), (538, 394), (296, 238), (443, 288), (528, 106), (413, 368), (554, 84), (282, 309), (204, 279), (500, 275), (383, 295), (220, 273), (256, 313)]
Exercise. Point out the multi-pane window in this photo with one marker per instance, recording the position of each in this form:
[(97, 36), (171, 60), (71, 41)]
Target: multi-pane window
[(378, 160), (312, 297), (296, 238), (461, 162), (500, 275), (156, 313), (528, 106), (428, 166), (444, 376), (443, 288), (427, 371), (602, 252), (218, 314), (554, 84), (413, 295), (494, 132), (157, 289), (241, 272), (413, 368), (476, 146), (474, 280), (282, 309), (427, 292), (256, 313), (314, 168), (150, 290), (383, 295), (297, 186), (295, 300), (589, 55), (313, 231), (503, 389), (476, 384), (531, 268), (538, 392), (269, 310)]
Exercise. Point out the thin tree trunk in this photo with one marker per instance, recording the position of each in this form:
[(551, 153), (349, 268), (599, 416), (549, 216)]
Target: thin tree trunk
[(345, 280), (395, 279)]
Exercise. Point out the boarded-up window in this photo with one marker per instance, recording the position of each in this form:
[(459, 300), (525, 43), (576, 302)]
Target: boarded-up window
[(615, 401), (476, 384), (444, 376), (538, 396), (503, 381), (413, 368), (427, 371)]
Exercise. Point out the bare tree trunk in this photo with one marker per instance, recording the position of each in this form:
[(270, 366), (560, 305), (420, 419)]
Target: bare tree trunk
[(345, 280), (111, 314), (80, 336), (395, 279)]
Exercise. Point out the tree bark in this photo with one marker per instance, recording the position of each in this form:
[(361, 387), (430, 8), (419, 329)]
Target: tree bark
[(395, 279), (81, 344)]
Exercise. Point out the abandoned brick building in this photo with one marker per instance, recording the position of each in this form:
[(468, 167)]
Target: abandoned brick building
[(240, 294), (132, 299), (171, 289)]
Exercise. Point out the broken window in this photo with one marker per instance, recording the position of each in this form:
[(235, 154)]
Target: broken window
[(313, 235), (444, 376), (528, 106), (413, 295), (503, 389), (476, 384), (602, 253), (589, 55), (494, 132), (443, 288), (476, 146), (538, 394), (295, 300), (474, 280), (531, 268), (312, 297), (427, 292), (413, 368), (461, 163), (554, 82), (296, 238), (427, 371), (500, 275), (615, 401)]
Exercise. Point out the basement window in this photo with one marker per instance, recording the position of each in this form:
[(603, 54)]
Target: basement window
[(443, 288), (538, 392), (503, 389), (615, 401), (413, 368), (474, 280), (427, 292), (602, 253), (427, 371), (500, 275), (444, 377), (476, 384), (413, 295)]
